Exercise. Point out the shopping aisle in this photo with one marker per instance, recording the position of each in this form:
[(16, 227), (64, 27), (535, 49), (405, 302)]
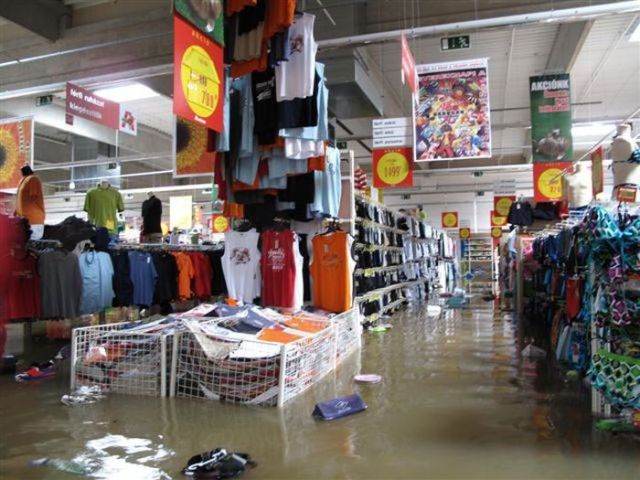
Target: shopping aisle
[(456, 402)]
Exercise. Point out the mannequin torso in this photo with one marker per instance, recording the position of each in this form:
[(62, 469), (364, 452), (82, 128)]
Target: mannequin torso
[(621, 149), (578, 186)]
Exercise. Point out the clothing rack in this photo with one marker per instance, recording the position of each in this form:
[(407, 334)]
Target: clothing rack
[(166, 247), (43, 244)]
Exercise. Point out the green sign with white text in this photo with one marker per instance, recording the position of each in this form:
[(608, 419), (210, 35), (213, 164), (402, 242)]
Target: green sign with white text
[(455, 43), (551, 139)]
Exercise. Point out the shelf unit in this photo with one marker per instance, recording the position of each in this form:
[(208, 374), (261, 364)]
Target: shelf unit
[(426, 266), (479, 270)]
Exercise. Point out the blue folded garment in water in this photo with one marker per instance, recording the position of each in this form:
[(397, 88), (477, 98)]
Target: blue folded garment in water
[(339, 407)]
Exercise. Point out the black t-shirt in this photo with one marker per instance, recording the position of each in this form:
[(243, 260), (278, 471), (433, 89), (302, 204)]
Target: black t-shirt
[(167, 284), (299, 112), (265, 106), (122, 284), (218, 285), (300, 188), (151, 215)]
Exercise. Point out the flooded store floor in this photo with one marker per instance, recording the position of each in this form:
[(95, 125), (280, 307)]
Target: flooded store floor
[(457, 401)]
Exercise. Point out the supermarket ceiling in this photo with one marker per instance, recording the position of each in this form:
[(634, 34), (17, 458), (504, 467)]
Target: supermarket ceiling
[(105, 43)]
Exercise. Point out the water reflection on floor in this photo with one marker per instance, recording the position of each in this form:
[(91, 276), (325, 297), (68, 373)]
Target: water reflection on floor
[(457, 401)]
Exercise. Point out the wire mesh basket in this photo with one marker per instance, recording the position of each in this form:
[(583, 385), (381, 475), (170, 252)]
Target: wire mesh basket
[(119, 359)]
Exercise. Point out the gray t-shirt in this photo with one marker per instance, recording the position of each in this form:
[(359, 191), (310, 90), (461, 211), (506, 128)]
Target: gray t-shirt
[(61, 284)]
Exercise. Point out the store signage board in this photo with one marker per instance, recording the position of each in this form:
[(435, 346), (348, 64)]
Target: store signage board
[(196, 157), (597, 170), (504, 187), (455, 43), (16, 143), (451, 119), (450, 219), (502, 204), (547, 181), (44, 100), (180, 210), (627, 194), (207, 16), (497, 220), (550, 98), (197, 76), (408, 70), (219, 224), (465, 223), (465, 233), (393, 167), (83, 103), (392, 132)]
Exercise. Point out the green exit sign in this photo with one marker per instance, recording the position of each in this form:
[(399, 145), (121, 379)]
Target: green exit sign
[(455, 43), (44, 100)]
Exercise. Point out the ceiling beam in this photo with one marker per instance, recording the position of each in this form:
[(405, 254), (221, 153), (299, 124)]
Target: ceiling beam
[(566, 46), (46, 18)]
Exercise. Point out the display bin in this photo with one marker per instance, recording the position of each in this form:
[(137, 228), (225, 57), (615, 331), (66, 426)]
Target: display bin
[(249, 371), (348, 327), (119, 359)]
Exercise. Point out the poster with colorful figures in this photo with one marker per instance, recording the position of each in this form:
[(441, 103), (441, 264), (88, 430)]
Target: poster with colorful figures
[(452, 118)]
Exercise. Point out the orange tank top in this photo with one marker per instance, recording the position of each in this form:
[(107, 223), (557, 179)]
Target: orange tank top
[(331, 271)]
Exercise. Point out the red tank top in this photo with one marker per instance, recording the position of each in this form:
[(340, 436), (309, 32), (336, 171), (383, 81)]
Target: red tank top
[(278, 268)]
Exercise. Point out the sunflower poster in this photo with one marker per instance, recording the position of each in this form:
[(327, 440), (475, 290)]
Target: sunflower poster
[(193, 154), (16, 149)]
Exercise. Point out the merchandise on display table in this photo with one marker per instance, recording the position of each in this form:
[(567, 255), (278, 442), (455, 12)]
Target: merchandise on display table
[(583, 278), (215, 351)]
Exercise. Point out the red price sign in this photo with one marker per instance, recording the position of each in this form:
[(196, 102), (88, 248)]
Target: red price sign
[(392, 167), (497, 220), (450, 219), (219, 223), (465, 233), (547, 180), (496, 232), (627, 194)]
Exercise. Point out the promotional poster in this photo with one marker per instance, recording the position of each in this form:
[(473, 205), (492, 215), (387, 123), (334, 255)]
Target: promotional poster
[(452, 118), (194, 153), (16, 150)]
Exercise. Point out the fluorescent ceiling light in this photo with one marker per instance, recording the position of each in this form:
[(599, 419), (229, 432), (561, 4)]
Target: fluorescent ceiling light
[(634, 31), (126, 93), (592, 129)]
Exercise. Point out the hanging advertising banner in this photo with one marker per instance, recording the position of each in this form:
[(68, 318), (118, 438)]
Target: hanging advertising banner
[(207, 16), (452, 119), (408, 70), (197, 76), (465, 233), (502, 204), (547, 182), (597, 170), (180, 210), (16, 149), (449, 219), (550, 97), (496, 232), (498, 220), (83, 103), (193, 150), (219, 224), (393, 167)]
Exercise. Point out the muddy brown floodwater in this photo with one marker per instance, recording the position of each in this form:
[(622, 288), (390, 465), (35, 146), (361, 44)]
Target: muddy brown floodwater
[(456, 401)]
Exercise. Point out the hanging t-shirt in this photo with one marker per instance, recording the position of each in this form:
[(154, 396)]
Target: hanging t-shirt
[(60, 284), (186, 272), (241, 265), (167, 284), (218, 285), (294, 78), (300, 112), (304, 141), (122, 285), (328, 186), (142, 272), (278, 268), (29, 200), (265, 106), (97, 282), (332, 270), (202, 275), (102, 204), (22, 294)]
